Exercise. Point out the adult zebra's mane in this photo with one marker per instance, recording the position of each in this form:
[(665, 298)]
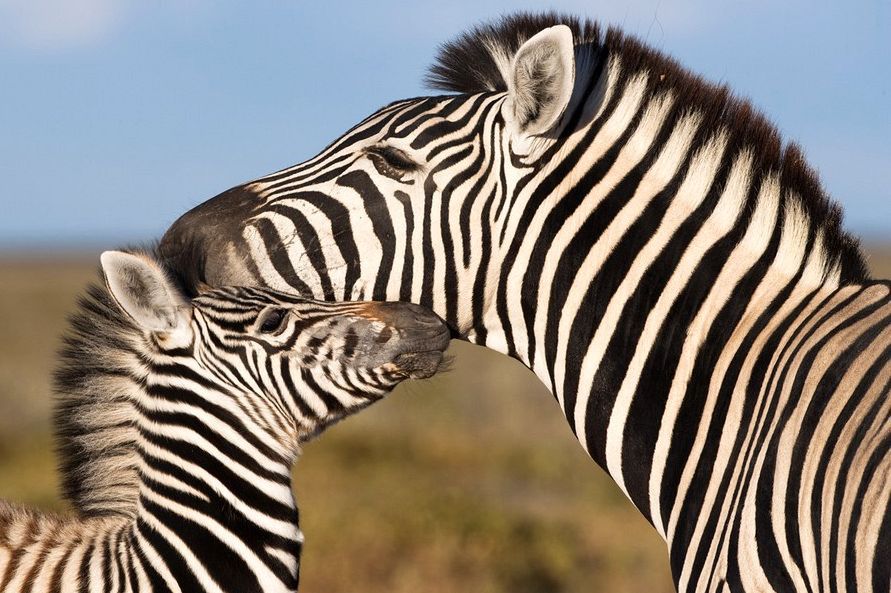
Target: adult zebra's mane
[(475, 62), (99, 375)]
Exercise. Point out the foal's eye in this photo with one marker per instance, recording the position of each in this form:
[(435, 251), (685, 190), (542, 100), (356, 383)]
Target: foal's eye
[(272, 320)]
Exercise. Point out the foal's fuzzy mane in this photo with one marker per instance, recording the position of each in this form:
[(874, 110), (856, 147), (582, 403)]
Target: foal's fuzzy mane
[(474, 62), (99, 375)]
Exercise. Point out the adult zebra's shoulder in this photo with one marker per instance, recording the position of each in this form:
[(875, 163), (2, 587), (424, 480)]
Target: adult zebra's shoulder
[(178, 422), (646, 243)]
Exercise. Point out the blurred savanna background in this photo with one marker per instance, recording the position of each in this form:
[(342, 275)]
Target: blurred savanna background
[(117, 116)]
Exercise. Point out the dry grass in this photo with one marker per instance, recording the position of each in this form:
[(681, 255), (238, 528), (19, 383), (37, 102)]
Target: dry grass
[(471, 481)]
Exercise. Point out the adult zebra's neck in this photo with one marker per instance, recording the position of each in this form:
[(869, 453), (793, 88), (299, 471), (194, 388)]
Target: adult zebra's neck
[(665, 224)]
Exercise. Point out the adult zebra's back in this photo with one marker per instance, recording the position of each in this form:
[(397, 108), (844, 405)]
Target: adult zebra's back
[(650, 248)]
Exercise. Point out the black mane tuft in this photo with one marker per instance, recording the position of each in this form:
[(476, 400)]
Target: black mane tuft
[(468, 64)]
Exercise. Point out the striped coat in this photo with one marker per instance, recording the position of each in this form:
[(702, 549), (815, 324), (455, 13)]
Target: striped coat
[(648, 245)]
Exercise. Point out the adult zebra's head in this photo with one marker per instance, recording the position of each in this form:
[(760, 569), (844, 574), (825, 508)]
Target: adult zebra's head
[(559, 139), (377, 213)]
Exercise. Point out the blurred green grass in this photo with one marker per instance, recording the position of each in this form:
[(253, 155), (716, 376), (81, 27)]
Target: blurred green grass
[(470, 481)]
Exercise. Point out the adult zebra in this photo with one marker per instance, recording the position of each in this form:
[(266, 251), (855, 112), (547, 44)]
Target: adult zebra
[(648, 246), (179, 421)]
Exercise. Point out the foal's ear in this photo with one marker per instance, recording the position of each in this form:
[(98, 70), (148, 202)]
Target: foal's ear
[(540, 81), (143, 291)]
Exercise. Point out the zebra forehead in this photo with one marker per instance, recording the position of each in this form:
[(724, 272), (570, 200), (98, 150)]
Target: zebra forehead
[(244, 298)]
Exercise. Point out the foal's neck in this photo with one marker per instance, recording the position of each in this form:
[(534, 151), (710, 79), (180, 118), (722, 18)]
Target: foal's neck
[(213, 494)]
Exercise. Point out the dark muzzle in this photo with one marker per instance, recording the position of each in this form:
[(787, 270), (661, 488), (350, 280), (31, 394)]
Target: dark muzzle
[(413, 338)]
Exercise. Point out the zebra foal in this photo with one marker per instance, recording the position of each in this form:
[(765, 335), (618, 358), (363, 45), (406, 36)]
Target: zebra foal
[(178, 422)]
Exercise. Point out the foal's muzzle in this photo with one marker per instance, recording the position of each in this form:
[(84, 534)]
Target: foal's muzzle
[(413, 338)]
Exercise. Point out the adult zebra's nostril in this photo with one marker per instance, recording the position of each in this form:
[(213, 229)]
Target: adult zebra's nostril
[(201, 244)]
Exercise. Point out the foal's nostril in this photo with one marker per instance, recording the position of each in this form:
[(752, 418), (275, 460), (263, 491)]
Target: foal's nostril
[(384, 336)]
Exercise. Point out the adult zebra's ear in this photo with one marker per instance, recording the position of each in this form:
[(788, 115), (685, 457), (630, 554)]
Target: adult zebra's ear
[(144, 292), (540, 82)]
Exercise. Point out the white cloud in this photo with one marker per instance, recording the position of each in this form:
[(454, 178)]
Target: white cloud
[(60, 24)]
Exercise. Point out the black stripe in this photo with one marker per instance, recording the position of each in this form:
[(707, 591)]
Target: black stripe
[(311, 242), (237, 423), (84, 571), (408, 257)]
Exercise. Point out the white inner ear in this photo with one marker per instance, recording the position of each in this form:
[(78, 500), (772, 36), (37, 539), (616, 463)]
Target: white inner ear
[(540, 81), (143, 291)]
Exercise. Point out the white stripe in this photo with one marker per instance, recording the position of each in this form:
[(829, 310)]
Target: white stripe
[(199, 571), (629, 157), (613, 128), (744, 255), (787, 261), (274, 491)]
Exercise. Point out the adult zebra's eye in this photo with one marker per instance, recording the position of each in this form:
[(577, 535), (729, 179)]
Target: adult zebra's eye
[(393, 157), (272, 320)]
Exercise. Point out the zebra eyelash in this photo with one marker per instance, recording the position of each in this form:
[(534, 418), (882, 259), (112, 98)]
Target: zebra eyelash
[(391, 161)]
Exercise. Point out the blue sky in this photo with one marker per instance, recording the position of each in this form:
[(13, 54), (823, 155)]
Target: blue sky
[(119, 115)]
